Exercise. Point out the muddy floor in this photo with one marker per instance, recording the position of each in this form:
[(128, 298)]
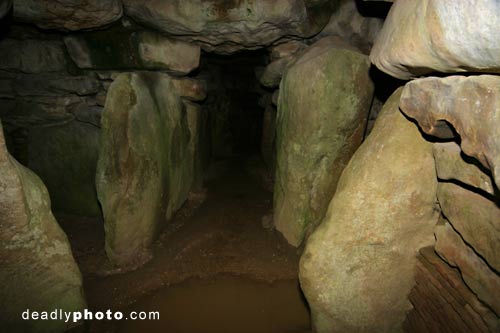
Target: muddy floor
[(219, 244)]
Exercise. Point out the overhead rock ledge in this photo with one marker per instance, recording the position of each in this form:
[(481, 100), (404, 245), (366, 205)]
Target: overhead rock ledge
[(470, 104), (230, 26), (68, 14), (424, 36)]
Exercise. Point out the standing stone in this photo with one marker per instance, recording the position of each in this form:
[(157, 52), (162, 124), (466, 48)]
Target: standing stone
[(358, 266), (471, 105), (38, 271), (68, 14), (322, 111), (425, 36), (143, 170)]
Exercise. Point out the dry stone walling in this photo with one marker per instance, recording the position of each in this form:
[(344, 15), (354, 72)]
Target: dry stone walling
[(407, 187)]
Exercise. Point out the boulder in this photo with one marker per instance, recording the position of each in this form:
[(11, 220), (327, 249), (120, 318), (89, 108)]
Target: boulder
[(230, 26), (476, 219), (68, 14), (144, 167), (323, 105), (420, 37), (123, 49), (272, 74), (191, 89), (358, 266), (470, 104), (453, 166), (38, 270), (349, 24), (484, 282), (32, 56), (65, 158)]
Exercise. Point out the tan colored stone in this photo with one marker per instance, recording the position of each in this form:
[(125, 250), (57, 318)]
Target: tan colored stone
[(484, 282), (475, 217), (358, 266), (451, 165), (190, 89), (425, 36), (470, 104)]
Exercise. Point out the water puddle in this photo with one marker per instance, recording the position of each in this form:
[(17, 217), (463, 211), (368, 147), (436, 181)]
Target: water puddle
[(224, 304)]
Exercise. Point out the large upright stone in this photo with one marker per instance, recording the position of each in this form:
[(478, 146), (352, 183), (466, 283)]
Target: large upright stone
[(322, 111), (144, 168), (358, 266), (230, 26), (38, 271), (68, 14), (420, 37), (471, 105)]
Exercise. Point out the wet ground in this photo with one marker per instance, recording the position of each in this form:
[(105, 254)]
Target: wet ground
[(217, 266)]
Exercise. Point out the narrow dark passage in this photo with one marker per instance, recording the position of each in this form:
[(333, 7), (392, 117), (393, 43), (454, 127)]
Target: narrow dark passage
[(222, 247)]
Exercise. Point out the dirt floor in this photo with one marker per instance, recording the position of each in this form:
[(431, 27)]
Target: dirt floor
[(221, 233)]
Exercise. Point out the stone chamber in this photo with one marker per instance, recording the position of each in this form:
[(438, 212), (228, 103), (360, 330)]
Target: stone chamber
[(251, 165)]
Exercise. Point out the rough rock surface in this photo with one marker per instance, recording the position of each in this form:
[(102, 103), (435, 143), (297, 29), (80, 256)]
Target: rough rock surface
[(476, 219), (65, 158), (230, 26), (38, 270), (322, 110), (348, 23), (68, 14), (470, 104), (484, 282), (143, 171), (443, 302), (122, 49), (358, 266), (32, 56), (453, 166), (420, 37)]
